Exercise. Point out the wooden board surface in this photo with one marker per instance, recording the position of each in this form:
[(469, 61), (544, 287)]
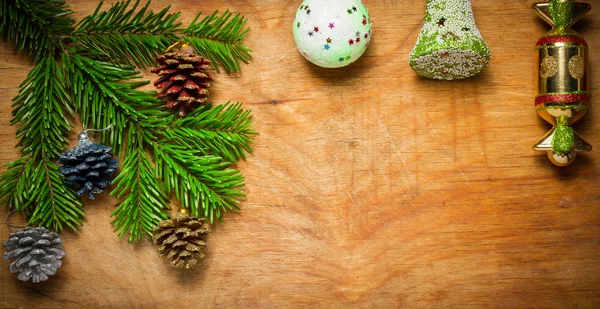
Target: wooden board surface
[(369, 188)]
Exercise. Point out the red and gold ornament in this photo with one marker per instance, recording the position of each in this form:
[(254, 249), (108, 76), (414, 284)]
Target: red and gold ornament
[(563, 80)]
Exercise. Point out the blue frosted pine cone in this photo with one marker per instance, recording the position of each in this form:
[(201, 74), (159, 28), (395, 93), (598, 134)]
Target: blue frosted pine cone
[(88, 167)]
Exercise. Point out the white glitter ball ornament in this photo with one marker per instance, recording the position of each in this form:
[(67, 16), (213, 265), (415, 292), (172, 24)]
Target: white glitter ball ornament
[(333, 33)]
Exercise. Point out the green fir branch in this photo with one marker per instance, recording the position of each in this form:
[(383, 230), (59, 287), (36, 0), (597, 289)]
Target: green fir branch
[(219, 38), (106, 94), (221, 130), (95, 77), (123, 35), (44, 110), (143, 201), (203, 184), (37, 26), (15, 184), (56, 205)]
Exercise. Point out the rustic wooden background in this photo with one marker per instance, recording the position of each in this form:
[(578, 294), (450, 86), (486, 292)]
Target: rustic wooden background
[(369, 188)]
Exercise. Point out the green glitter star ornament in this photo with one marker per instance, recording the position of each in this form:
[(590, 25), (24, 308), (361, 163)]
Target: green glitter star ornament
[(449, 46)]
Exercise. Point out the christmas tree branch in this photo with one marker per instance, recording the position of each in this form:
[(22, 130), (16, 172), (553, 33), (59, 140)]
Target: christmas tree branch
[(104, 95), (15, 184), (35, 25), (144, 202), (222, 130), (56, 204), (202, 184), (219, 38), (89, 69), (123, 35), (44, 109)]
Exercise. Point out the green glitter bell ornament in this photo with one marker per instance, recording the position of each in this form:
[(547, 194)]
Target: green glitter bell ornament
[(449, 46)]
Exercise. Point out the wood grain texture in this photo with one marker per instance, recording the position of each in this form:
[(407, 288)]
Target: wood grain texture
[(370, 187)]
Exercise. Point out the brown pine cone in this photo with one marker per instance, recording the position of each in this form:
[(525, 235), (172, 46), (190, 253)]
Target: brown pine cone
[(179, 239), (184, 80)]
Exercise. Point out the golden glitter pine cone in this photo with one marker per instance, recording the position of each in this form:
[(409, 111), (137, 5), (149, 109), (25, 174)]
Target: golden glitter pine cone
[(180, 240), (183, 79)]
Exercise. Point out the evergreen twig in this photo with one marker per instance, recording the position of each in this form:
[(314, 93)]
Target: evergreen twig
[(202, 184), (121, 34), (114, 98), (143, 201), (219, 38), (223, 130), (36, 25), (44, 109), (89, 70)]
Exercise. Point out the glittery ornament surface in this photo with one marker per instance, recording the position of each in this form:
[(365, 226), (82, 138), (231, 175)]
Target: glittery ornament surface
[(576, 67), (88, 167), (449, 46), (564, 39), (563, 80), (35, 252), (562, 98), (549, 67), (332, 33), (562, 13)]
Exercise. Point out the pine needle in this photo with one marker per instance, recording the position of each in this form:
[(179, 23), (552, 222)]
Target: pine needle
[(90, 69), (44, 109), (219, 38), (36, 26), (123, 35)]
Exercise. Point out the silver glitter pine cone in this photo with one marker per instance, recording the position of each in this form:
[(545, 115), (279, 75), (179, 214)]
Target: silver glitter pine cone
[(180, 240), (36, 253)]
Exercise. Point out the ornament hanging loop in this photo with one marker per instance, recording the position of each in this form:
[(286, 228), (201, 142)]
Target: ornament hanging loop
[(10, 224), (181, 47), (174, 46), (84, 136)]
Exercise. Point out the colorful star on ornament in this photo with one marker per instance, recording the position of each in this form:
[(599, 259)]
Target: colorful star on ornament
[(329, 40), (442, 21), (351, 41), (451, 34), (366, 35), (354, 8), (364, 22), (306, 7), (357, 40), (308, 12), (349, 11), (341, 60), (310, 33), (326, 46), (331, 26), (466, 29), (298, 24), (348, 57), (357, 33), (302, 7), (316, 29)]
